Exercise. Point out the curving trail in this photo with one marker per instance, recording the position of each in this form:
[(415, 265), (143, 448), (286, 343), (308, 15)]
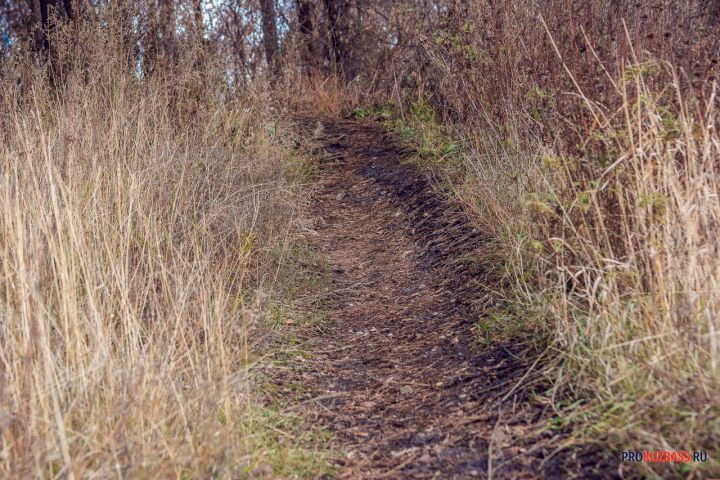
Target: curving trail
[(399, 379)]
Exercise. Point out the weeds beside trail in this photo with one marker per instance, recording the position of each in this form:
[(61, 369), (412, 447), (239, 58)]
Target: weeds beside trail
[(138, 221)]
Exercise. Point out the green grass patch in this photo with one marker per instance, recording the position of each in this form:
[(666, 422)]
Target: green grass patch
[(283, 445)]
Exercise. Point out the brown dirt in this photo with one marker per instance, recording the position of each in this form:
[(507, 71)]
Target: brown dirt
[(397, 373)]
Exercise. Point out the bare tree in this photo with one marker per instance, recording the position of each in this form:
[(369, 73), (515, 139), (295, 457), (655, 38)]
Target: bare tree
[(167, 28), (337, 17), (197, 11), (270, 37), (305, 11)]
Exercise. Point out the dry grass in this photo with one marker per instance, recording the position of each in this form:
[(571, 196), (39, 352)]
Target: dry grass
[(590, 152), (630, 241), (133, 215), (315, 95), (614, 243)]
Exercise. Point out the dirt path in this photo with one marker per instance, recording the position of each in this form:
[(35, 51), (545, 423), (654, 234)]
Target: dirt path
[(400, 382)]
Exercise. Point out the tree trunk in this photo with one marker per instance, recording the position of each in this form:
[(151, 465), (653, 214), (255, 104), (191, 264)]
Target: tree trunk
[(167, 28), (38, 25), (197, 10), (337, 12), (270, 37), (69, 11), (307, 33)]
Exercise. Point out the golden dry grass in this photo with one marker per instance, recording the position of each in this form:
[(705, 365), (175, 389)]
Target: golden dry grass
[(617, 251), (133, 214), (636, 250), (601, 196)]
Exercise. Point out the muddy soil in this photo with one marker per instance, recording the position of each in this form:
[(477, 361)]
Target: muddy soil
[(398, 376)]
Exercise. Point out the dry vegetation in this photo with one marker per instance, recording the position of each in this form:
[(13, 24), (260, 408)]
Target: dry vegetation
[(134, 219), (584, 137), (142, 186)]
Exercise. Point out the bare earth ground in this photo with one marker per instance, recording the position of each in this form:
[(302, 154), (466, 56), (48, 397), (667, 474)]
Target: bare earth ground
[(401, 382)]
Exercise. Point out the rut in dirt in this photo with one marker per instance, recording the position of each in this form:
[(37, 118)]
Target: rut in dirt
[(400, 380)]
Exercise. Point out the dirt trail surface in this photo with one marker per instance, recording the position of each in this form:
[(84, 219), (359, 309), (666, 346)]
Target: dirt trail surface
[(399, 379)]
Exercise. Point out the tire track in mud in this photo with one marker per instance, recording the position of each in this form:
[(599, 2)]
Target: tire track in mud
[(400, 382)]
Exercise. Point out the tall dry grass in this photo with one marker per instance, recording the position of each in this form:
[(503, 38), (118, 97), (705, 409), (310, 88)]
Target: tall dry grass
[(132, 214), (590, 152), (627, 246)]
